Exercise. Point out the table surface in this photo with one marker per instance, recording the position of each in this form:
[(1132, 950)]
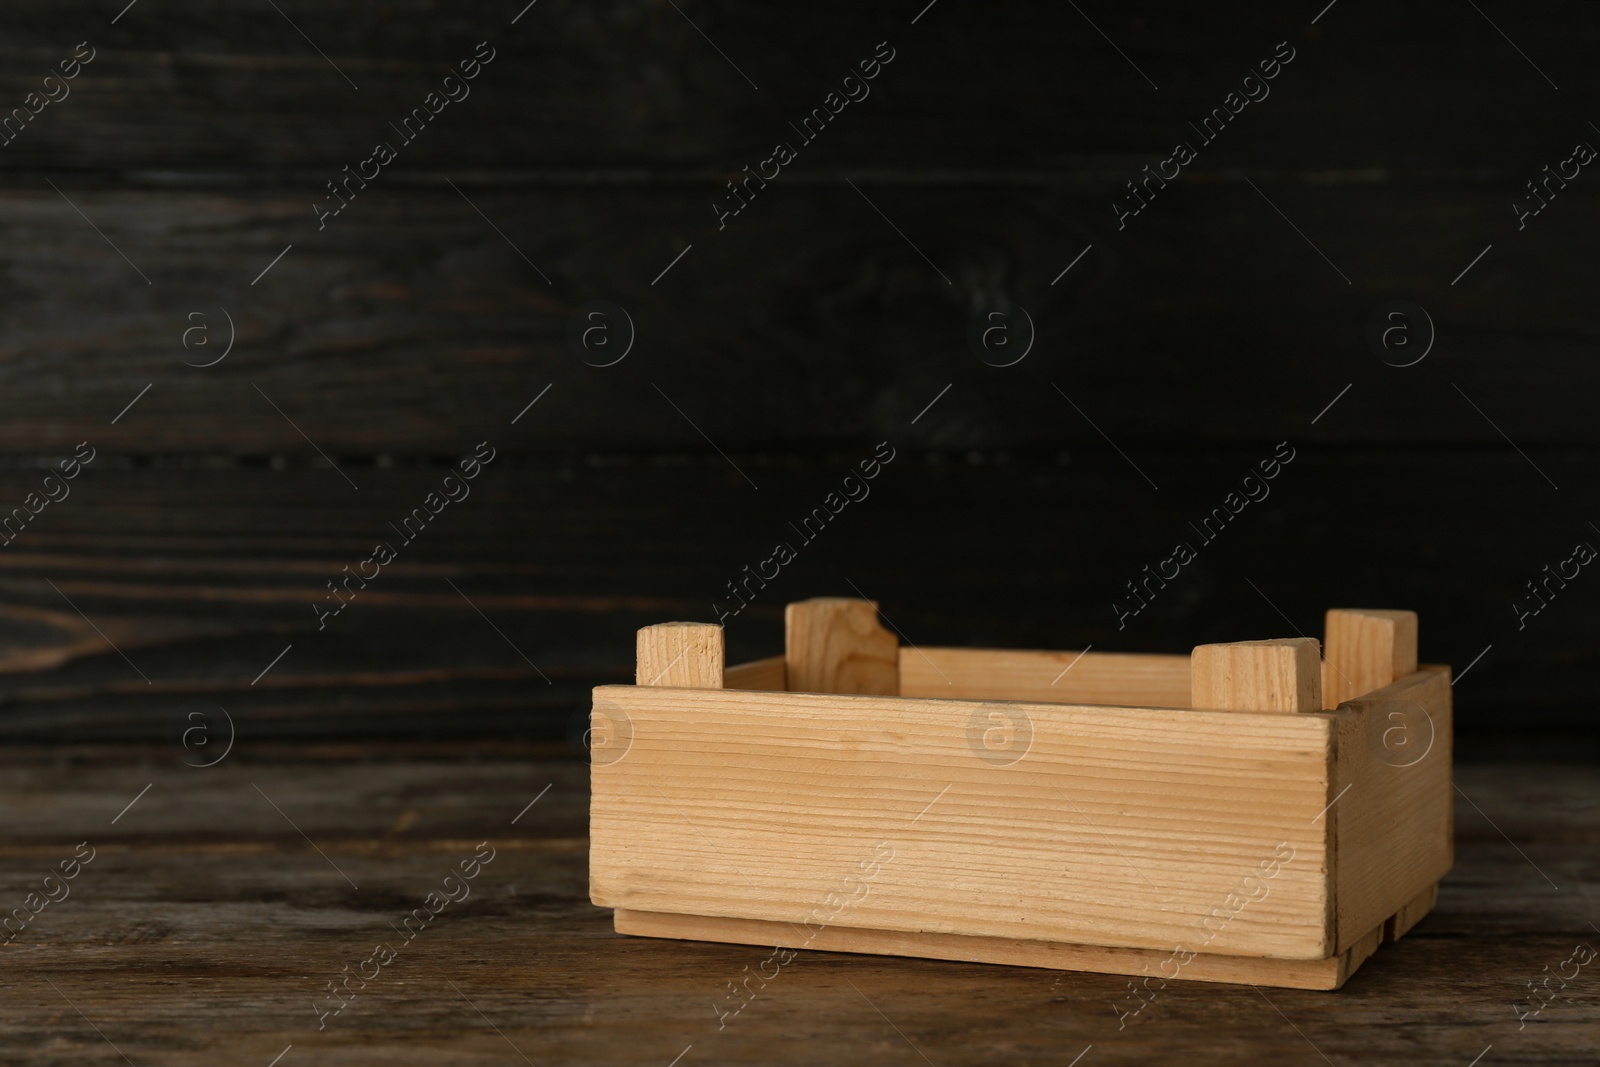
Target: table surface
[(221, 902)]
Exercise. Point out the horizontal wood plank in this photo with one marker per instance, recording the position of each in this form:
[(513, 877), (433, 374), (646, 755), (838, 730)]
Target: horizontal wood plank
[(201, 575), (1124, 827), (202, 899), (242, 93), (1128, 678), (768, 674), (409, 325), (1330, 973)]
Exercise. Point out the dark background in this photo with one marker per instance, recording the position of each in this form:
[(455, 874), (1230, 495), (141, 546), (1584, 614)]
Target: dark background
[(796, 339)]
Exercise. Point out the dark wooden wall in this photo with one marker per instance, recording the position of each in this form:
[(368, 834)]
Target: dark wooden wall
[(1167, 362)]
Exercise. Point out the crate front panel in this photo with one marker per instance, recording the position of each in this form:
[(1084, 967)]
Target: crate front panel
[(1132, 827)]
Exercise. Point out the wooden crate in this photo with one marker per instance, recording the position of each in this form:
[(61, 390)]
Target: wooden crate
[(1209, 816)]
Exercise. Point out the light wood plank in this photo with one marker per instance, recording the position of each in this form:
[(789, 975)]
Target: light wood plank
[(1281, 675), (680, 654), (1392, 805), (1132, 679), (1367, 648), (835, 645), (768, 674), (1111, 826), (1200, 967)]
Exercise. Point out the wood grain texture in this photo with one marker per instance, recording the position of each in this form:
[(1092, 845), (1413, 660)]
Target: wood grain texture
[(768, 674), (1366, 649), (1124, 827), (1013, 952), (202, 574), (1128, 678), (1279, 675), (837, 645), (205, 925), (410, 328), (1391, 801), (409, 325), (689, 654), (162, 90)]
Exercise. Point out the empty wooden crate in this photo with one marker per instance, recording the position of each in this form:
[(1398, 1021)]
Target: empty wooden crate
[(1251, 812)]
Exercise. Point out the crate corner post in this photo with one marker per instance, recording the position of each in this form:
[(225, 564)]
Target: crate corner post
[(1279, 675), (837, 645), (1392, 820), (668, 654), (1366, 649), (680, 654)]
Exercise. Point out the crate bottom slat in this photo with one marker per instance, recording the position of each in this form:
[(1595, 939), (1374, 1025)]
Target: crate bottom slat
[(1204, 967)]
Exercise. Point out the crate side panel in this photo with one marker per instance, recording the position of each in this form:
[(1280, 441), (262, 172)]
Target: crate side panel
[(768, 674), (1136, 827), (1123, 678), (1393, 823)]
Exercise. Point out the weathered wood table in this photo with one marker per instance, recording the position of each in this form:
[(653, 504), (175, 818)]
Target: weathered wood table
[(275, 909)]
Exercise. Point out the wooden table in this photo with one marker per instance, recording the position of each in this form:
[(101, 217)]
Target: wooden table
[(221, 902)]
